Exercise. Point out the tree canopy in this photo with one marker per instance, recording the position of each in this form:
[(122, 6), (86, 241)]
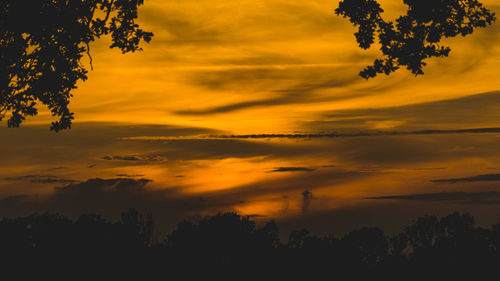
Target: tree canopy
[(413, 37), (42, 43), (228, 246)]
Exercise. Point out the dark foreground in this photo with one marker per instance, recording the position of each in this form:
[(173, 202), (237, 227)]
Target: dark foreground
[(230, 247)]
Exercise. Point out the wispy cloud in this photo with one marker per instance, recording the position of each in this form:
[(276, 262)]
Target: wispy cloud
[(13, 199), (485, 177), (40, 179), (133, 158), (443, 196), (103, 185), (291, 169), (245, 105), (493, 130), (364, 134), (435, 114), (426, 169), (129, 176)]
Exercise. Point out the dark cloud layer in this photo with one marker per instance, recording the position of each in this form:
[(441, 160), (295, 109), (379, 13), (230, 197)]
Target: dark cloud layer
[(296, 183), (291, 169), (129, 176), (426, 169), (363, 134), (83, 143), (40, 179), (273, 85), (111, 196), (485, 177), (104, 196), (169, 205), (204, 23), (295, 95), (443, 196), (279, 100), (202, 148), (458, 112), (103, 185), (306, 79), (9, 200), (418, 148), (133, 158)]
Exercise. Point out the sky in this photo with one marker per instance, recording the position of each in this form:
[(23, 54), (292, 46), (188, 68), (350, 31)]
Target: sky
[(256, 106)]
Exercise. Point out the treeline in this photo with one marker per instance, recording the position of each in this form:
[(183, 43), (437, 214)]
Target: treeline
[(229, 246)]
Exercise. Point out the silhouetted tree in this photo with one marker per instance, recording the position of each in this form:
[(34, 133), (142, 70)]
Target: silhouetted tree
[(297, 238), (223, 245), (423, 232), (413, 37), (222, 236), (139, 227), (228, 246), (367, 245), (42, 43)]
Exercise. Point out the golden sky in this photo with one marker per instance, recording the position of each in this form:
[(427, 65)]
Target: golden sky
[(216, 69)]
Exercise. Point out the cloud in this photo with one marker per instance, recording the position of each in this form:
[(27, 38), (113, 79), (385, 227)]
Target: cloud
[(436, 115), (480, 49), (426, 169), (104, 196), (129, 176), (412, 150), (205, 23), (82, 144), (494, 130), (295, 95), (280, 100), (421, 148), (281, 78), (103, 185), (291, 169), (40, 179), (112, 195), (169, 205), (295, 183), (58, 168), (133, 158), (13, 199), (275, 85), (179, 29), (478, 178), (190, 148), (443, 196)]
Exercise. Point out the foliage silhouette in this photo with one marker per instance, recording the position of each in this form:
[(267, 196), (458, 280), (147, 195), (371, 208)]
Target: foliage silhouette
[(228, 246), (222, 245), (42, 43), (413, 37)]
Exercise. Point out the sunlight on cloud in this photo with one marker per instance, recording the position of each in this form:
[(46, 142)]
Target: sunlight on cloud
[(217, 72)]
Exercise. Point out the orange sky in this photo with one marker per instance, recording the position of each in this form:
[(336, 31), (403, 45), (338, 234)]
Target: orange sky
[(264, 67)]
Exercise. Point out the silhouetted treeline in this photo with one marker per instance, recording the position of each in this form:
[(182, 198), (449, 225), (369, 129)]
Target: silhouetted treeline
[(228, 246)]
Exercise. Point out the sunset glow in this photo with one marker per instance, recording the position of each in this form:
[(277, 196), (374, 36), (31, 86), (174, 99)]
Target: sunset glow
[(174, 113)]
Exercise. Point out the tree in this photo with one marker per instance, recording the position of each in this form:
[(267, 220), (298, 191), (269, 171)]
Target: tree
[(139, 227), (413, 37), (42, 43)]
